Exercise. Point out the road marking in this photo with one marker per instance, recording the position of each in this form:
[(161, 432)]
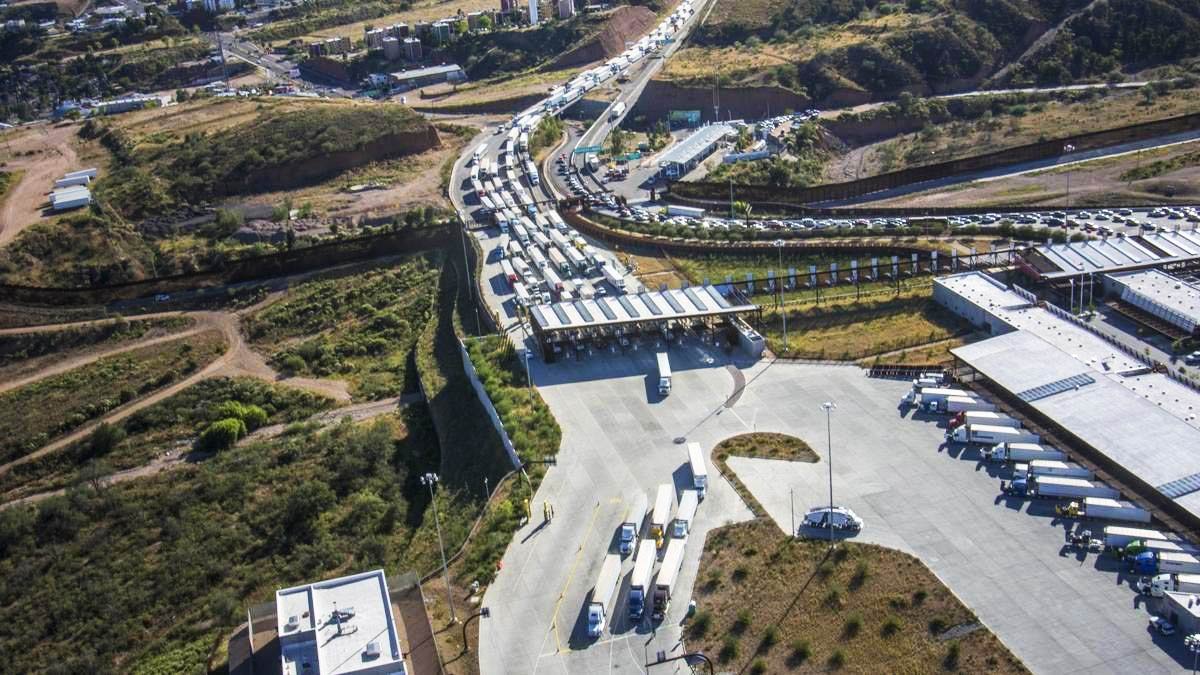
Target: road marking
[(570, 575)]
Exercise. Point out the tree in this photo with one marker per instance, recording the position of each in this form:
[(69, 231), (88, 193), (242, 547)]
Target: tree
[(617, 142), (742, 209), (485, 22), (221, 435), (105, 438), (461, 27)]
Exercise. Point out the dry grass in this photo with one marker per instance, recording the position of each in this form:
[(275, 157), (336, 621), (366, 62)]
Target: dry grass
[(791, 605), (422, 11), (483, 91)]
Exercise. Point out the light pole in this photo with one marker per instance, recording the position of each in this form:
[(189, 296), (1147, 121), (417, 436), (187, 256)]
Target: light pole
[(528, 378), (782, 300), (1068, 149), (829, 407), (428, 480), (1193, 644)]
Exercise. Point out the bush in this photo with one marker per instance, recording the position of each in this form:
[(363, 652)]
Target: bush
[(742, 622), (891, 626), (837, 659), (221, 435), (251, 415), (740, 573), (800, 652), (852, 626), (952, 656), (700, 624), (758, 667), (919, 596), (861, 572), (833, 597), (105, 437), (937, 625), (729, 649)]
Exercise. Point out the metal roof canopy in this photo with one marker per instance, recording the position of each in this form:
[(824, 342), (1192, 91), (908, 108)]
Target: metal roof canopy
[(603, 312), (1113, 254)]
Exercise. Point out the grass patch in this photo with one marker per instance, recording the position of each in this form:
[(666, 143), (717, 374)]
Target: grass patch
[(22, 353), (68, 401), (762, 445), (784, 601), (360, 328), (1161, 166)]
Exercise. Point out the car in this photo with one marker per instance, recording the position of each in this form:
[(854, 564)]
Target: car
[(1162, 626), (1192, 359), (839, 518)]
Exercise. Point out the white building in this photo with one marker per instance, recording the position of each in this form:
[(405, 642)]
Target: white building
[(341, 626), (566, 9), (1167, 297), (533, 12)]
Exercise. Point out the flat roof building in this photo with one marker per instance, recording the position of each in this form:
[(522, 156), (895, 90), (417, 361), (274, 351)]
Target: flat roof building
[(1103, 393), (1169, 298), (1112, 254), (411, 79), (561, 323), (685, 155), (342, 626)]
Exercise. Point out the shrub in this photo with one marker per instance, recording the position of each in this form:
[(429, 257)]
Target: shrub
[(770, 639), (729, 649), (837, 659), (105, 437), (221, 435), (936, 625), (742, 622), (700, 624), (891, 626), (825, 569), (952, 656), (919, 596), (740, 573), (833, 597), (251, 415), (800, 652), (852, 626), (861, 572), (758, 667)]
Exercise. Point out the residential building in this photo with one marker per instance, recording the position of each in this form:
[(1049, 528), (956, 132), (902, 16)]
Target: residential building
[(330, 47), (508, 6), (566, 9), (441, 32), (533, 12), (398, 30), (218, 6), (473, 20), (423, 77), (412, 49), (374, 38), (391, 48), (342, 626)]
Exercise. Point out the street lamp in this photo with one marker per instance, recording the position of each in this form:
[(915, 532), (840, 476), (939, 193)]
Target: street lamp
[(1193, 644), (528, 378), (429, 480), (782, 300), (1067, 149), (829, 407)]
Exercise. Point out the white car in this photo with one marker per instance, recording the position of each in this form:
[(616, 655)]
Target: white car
[(839, 518)]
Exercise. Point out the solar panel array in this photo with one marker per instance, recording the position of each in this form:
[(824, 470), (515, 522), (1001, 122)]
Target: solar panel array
[(1056, 387), (1181, 486)]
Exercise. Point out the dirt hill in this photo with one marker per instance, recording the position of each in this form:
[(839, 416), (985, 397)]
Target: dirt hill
[(625, 24)]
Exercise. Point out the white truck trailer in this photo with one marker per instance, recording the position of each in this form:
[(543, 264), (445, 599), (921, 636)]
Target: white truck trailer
[(989, 435), (1116, 536), (1058, 487), (664, 374), (616, 111), (1159, 584), (1021, 452), (661, 514), (688, 502), (685, 211), (957, 404), (639, 581), (1109, 509), (1049, 467), (602, 594), (614, 277), (668, 574), (699, 469), (987, 417), (931, 395), (635, 518)]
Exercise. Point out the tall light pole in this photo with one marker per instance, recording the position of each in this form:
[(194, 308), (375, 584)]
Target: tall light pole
[(1068, 149), (428, 480), (829, 407), (782, 300), (1193, 644), (528, 378)]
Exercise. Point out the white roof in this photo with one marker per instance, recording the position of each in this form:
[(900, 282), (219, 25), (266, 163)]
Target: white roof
[(692, 146), (1116, 253), (362, 600), (672, 304), (1174, 294)]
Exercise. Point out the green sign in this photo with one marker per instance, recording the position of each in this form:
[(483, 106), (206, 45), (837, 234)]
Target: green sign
[(688, 117), (585, 149), (632, 156)]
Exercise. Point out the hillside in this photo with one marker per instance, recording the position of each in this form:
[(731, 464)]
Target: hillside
[(869, 49)]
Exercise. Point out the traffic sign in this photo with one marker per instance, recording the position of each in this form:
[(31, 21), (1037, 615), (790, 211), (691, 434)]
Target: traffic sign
[(585, 149)]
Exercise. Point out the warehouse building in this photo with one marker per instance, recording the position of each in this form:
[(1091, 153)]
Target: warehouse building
[(687, 154), (1139, 425), (423, 77), (1165, 297), (561, 327), (341, 626)]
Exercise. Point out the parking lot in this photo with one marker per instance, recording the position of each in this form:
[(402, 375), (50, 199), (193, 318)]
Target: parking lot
[(1057, 611)]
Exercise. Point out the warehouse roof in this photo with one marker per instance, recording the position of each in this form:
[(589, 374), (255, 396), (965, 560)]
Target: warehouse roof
[(362, 636), (674, 304), (1170, 292), (694, 145), (1112, 254), (1126, 419), (426, 72)]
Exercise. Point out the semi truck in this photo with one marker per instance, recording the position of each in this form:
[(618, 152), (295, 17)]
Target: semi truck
[(990, 435), (1050, 467), (1136, 546), (617, 111), (1021, 452), (987, 417), (931, 395), (614, 277), (688, 502), (668, 573), (1116, 536), (635, 518), (1099, 507), (699, 470), (957, 404), (639, 581), (1057, 487), (602, 594), (663, 502), (685, 211), (664, 374), (1159, 584), (1156, 562)]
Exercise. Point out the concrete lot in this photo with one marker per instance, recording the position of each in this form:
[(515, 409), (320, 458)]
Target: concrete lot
[(1057, 610)]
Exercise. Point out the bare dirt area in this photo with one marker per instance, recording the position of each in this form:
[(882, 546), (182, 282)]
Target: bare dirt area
[(43, 153), (1172, 175)]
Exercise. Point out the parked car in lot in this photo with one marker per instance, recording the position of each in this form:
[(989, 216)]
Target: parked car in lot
[(1162, 626), (839, 518)]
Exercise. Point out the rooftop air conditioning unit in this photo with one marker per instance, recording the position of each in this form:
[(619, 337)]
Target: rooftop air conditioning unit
[(371, 651)]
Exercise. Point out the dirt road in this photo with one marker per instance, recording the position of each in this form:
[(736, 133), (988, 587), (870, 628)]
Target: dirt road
[(53, 156)]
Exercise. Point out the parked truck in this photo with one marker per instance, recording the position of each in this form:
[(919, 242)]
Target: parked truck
[(987, 417), (688, 502), (1099, 507), (663, 502), (1159, 584), (668, 573), (1021, 452), (1161, 562), (635, 518), (613, 276), (685, 211), (990, 435), (699, 470), (1136, 546), (926, 396), (639, 581), (1116, 536), (664, 374), (1051, 467), (957, 404), (602, 594), (1057, 487), (617, 111)]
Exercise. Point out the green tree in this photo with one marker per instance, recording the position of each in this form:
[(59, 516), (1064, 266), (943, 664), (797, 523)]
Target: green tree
[(617, 142), (105, 438), (485, 22), (221, 435)]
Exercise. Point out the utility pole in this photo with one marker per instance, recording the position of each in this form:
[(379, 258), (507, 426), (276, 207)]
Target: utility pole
[(1068, 149), (829, 407), (782, 300), (428, 480)]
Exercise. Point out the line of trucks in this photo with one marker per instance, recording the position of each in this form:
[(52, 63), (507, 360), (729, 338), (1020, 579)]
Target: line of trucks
[(632, 539)]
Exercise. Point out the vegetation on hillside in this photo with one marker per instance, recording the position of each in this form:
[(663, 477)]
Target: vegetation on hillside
[(801, 165), (18, 347), (69, 400), (360, 328), (769, 603)]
